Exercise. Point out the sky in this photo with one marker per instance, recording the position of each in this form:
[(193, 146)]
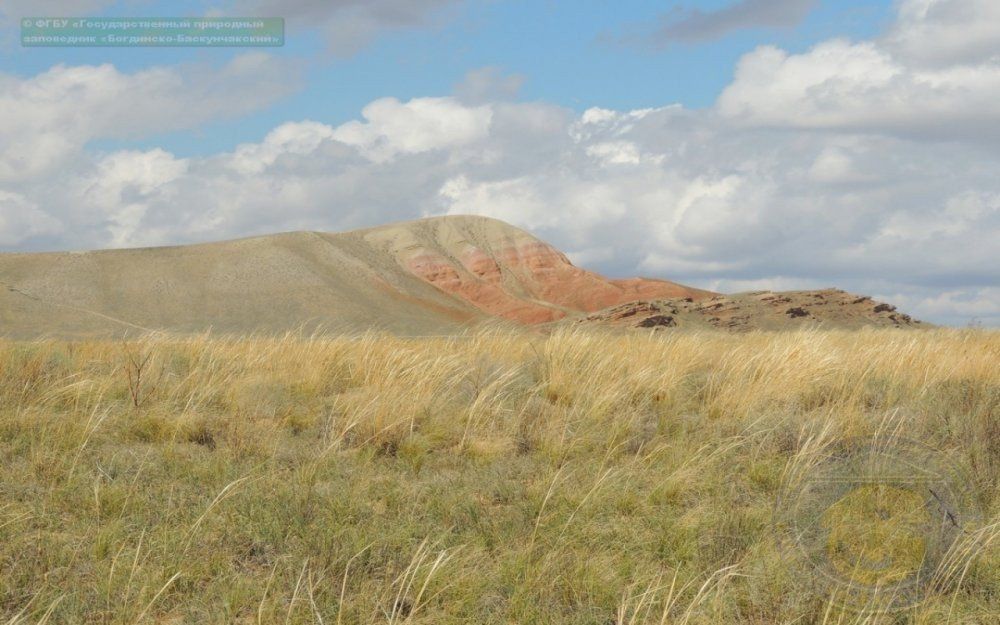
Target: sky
[(728, 144)]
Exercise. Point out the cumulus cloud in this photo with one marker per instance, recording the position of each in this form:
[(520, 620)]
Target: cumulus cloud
[(697, 25), (392, 127), (972, 307), (21, 219), (46, 120), (289, 139), (942, 32), (862, 86), (934, 75), (616, 152), (123, 185), (839, 165)]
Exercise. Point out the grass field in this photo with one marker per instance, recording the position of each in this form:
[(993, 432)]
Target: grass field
[(580, 478)]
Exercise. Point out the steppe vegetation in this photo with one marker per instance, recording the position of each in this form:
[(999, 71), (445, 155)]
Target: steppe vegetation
[(497, 477)]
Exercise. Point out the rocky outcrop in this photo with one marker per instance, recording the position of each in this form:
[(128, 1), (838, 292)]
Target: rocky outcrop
[(759, 310)]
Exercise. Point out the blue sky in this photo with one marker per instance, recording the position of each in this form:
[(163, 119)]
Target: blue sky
[(577, 53), (729, 144)]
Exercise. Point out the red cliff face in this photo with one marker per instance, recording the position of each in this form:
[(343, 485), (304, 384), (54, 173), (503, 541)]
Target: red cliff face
[(531, 282), (480, 286)]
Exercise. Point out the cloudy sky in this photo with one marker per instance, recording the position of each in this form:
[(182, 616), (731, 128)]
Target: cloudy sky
[(729, 144)]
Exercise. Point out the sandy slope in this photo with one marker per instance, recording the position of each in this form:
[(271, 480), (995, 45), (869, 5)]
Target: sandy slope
[(421, 277)]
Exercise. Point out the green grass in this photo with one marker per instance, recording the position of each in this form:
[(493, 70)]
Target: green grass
[(497, 478)]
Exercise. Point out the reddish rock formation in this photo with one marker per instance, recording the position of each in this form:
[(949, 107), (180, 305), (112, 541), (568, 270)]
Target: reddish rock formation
[(508, 273), (484, 290)]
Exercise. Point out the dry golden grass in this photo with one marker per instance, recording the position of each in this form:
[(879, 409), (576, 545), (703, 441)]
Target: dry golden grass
[(492, 478)]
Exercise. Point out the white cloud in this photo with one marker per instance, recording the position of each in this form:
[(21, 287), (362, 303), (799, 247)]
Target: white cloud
[(124, 185), (778, 283), (46, 120), (392, 127), (958, 306), (861, 86), (598, 120), (20, 218), (959, 216), (598, 115), (289, 138), (713, 212), (837, 165), (591, 256), (514, 200), (616, 153), (944, 32)]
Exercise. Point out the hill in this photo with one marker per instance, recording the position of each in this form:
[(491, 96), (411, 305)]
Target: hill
[(429, 276)]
